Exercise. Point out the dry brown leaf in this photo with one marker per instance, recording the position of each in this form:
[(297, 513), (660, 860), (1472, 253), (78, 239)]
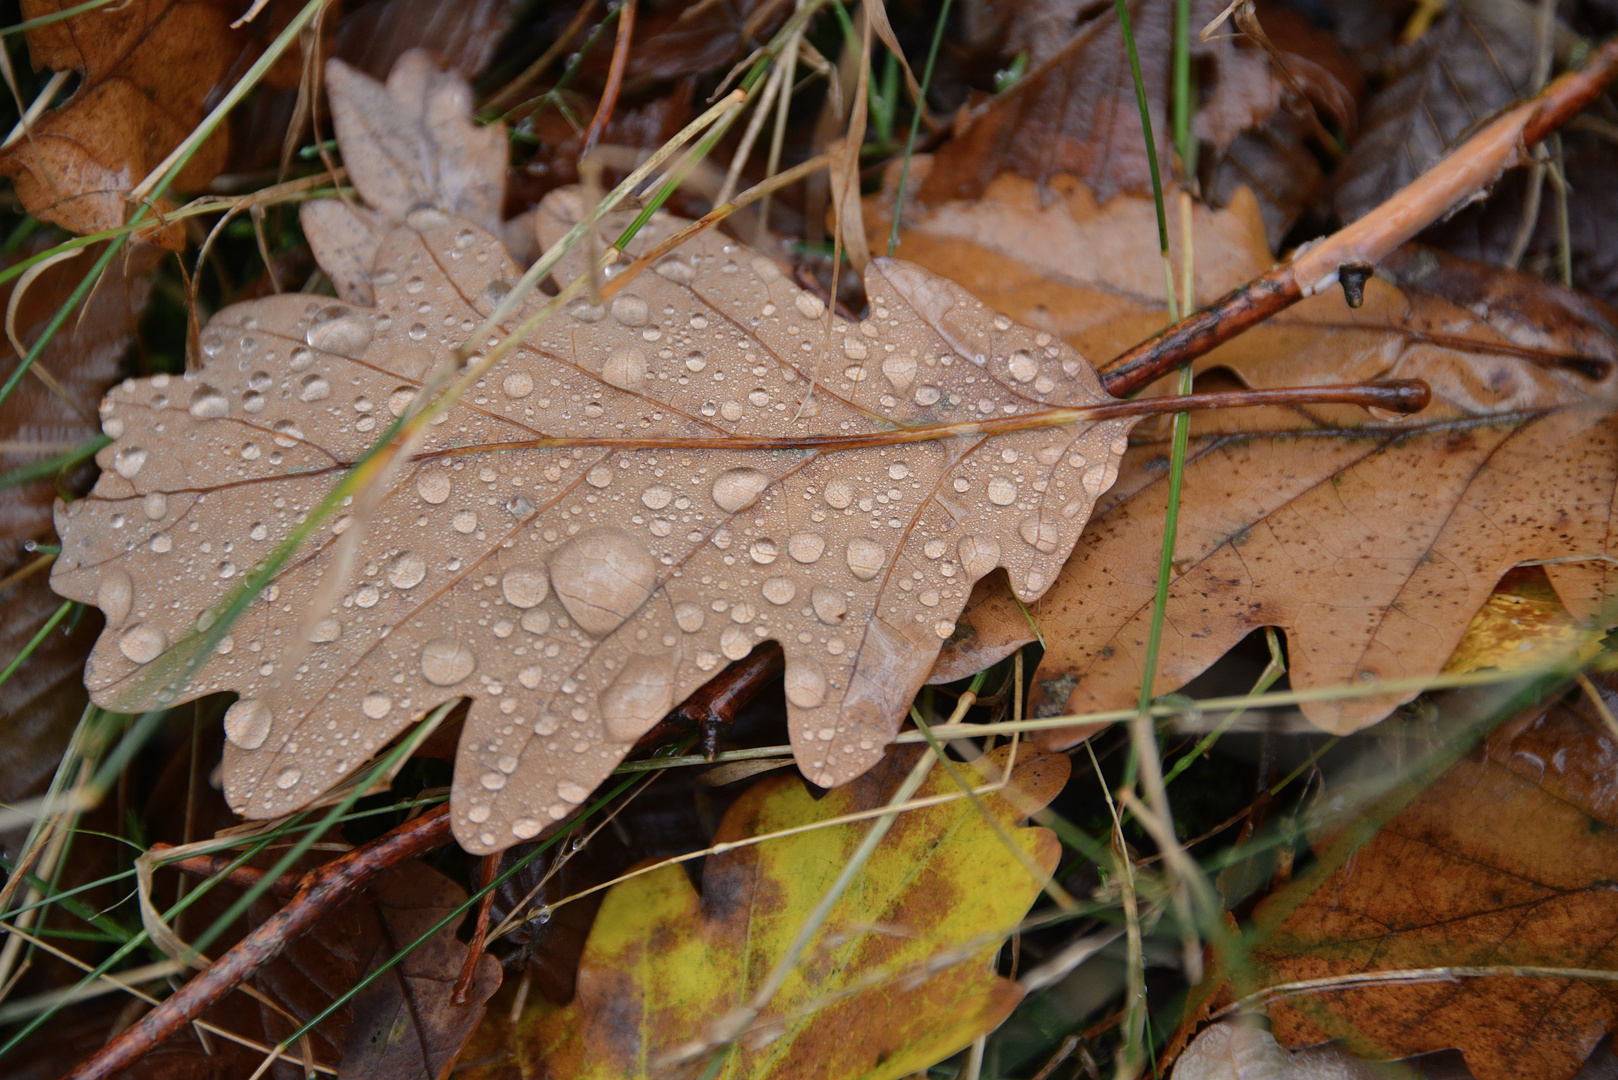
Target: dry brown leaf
[(1077, 113), (1371, 545), (1506, 860), (407, 143), (577, 590), (149, 68)]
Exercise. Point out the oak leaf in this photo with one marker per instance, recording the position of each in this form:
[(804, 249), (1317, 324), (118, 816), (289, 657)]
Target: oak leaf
[(898, 978), (1507, 860), (149, 71), (638, 494), (1371, 544)]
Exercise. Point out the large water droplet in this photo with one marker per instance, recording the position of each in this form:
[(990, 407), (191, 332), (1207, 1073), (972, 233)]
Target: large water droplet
[(464, 521), (446, 661), (657, 496), (625, 368), (809, 305), (806, 547), (637, 699), (676, 270), (1042, 535), (602, 577), (340, 330), (779, 590), (433, 485), (573, 793), (313, 388), (114, 596), (526, 828), (689, 616), (599, 477), (1023, 366), (805, 682), (406, 570), (143, 643), (736, 488), (128, 461), (517, 385), (289, 778), (155, 506), (376, 705), (839, 494), (829, 604), (735, 642), (900, 371), (978, 555), (206, 403), (247, 723), (763, 551), (865, 557), (525, 586), (327, 629), (1002, 490), (630, 310)]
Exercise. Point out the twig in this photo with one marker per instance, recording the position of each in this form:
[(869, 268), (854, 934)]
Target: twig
[(327, 889), (207, 866), (1467, 169), (480, 930), (615, 79)]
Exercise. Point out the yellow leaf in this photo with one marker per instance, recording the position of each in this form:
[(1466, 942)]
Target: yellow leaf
[(899, 977)]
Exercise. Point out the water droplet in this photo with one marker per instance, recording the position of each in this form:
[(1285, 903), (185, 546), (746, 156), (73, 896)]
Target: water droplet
[(763, 551), (143, 643), (676, 270), (525, 828), (433, 485), (340, 330), (978, 555), (492, 781), (898, 471), (207, 402), (928, 395), (900, 371), (289, 778), (599, 477), (287, 433), (809, 305), (602, 577), (1002, 490), (865, 557), (571, 792), (1042, 535), (406, 570), (696, 362), (127, 462), (854, 348), (376, 705), (759, 398), (446, 661), (155, 506), (944, 628), (1095, 479), (519, 506), (517, 385), (934, 548), (313, 388), (829, 604), (731, 410), (736, 488), (416, 332), (247, 723), (854, 373), (779, 590), (115, 595), (497, 289), (478, 814), (630, 310), (299, 360), (689, 616), (625, 368), (535, 621), (525, 586), (735, 642), (327, 629), (464, 521), (839, 494), (638, 698), (1023, 366), (162, 544), (805, 682), (400, 400), (657, 496), (587, 312), (1001, 322)]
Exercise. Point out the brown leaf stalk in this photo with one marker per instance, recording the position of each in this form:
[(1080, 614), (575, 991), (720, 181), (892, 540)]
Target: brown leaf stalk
[(325, 890), (1465, 171), (615, 79)]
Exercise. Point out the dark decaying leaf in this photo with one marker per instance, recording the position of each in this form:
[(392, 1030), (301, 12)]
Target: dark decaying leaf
[(1076, 113), (1506, 860), (41, 701)]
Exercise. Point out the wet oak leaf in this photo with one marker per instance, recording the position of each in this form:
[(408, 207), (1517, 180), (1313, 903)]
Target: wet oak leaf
[(150, 69), (1371, 544), (1506, 860), (898, 978), (693, 507)]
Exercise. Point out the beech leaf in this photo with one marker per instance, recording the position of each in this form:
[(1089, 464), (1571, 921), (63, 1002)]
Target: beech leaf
[(638, 494), (898, 978)]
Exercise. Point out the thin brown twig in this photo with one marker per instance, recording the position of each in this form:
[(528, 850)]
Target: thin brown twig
[(325, 890), (480, 930), (1469, 168), (615, 80)]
